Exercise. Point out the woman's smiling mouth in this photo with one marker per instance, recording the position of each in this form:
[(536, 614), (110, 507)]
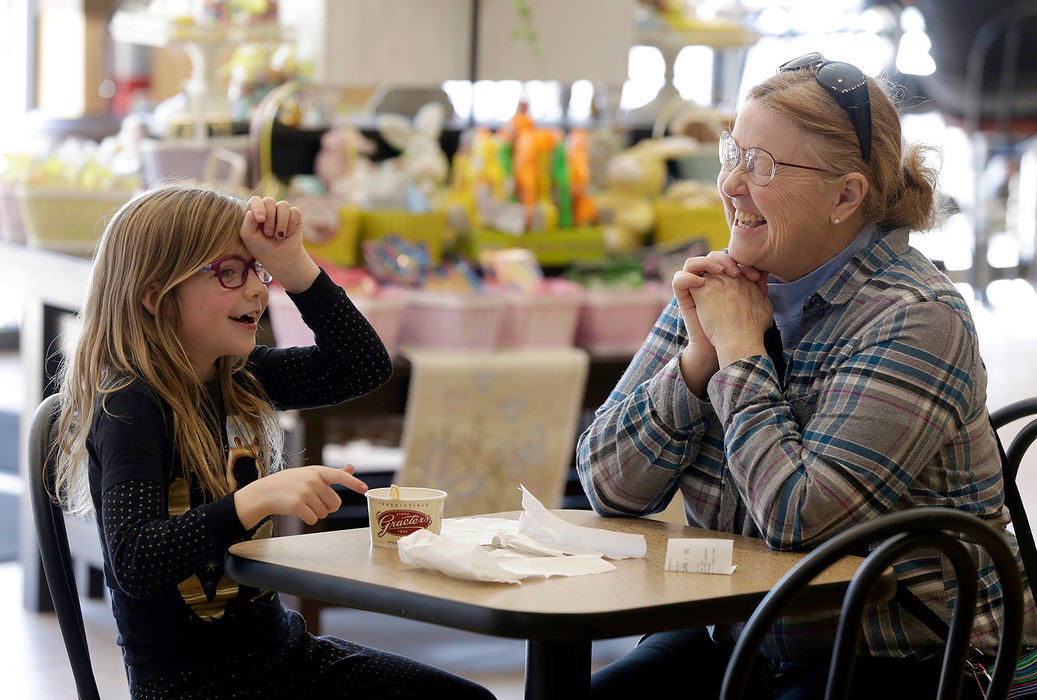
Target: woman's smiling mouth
[(747, 220)]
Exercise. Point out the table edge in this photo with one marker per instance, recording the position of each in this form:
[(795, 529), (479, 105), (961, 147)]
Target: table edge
[(512, 623)]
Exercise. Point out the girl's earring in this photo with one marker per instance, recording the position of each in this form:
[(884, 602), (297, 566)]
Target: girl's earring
[(835, 221)]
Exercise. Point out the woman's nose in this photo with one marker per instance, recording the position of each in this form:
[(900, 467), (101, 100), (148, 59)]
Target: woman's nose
[(732, 182)]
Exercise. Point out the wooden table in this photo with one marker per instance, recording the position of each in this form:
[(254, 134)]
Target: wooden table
[(559, 617)]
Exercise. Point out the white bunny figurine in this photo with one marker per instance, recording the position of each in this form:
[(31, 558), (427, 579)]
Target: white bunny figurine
[(421, 163)]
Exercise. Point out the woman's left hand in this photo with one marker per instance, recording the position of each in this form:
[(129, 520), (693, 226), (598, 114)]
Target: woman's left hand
[(734, 313), (272, 234)]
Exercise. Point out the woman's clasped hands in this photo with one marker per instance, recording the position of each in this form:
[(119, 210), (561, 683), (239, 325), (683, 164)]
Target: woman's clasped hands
[(725, 310)]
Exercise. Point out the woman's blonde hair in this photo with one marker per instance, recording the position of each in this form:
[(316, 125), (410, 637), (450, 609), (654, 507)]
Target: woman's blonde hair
[(901, 187), (156, 241)]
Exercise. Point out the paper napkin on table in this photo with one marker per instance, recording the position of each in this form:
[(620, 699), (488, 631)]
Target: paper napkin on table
[(546, 527), (470, 561), (476, 530), (539, 543), (525, 544)]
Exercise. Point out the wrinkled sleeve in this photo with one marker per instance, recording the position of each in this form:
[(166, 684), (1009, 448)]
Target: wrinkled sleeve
[(885, 405), (150, 549), (650, 432), (347, 358)]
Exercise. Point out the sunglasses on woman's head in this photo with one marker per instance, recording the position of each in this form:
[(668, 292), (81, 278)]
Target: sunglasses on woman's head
[(232, 272), (847, 85)]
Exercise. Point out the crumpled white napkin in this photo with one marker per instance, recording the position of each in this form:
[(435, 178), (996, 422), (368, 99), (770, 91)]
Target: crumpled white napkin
[(527, 545), (476, 530), (544, 526), (538, 544), (465, 560)]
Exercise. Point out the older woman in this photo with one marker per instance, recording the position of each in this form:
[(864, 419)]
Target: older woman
[(818, 373)]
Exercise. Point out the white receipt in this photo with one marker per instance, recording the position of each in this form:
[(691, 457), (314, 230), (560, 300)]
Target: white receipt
[(699, 556)]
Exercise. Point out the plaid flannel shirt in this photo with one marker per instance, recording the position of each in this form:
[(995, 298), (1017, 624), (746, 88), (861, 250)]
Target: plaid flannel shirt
[(882, 408)]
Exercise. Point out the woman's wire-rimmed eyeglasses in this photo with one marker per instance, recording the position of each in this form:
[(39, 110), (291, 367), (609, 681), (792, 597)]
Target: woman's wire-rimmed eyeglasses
[(232, 272), (847, 85), (759, 164)]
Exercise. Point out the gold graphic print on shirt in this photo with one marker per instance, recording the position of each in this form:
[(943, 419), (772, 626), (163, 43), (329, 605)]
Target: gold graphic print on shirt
[(208, 591)]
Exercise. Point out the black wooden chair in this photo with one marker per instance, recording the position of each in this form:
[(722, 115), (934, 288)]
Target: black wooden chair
[(1013, 457), (898, 533), (1012, 460), (54, 549)]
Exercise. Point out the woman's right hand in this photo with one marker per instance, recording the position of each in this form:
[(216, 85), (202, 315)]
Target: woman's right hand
[(304, 492), (699, 360), (685, 279)]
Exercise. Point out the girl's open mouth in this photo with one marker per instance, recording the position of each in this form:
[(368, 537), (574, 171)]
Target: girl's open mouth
[(247, 319)]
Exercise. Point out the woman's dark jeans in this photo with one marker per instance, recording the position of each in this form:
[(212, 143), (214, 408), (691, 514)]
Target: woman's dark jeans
[(688, 663)]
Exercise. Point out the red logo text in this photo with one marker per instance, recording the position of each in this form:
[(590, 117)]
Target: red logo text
[(402, 522)]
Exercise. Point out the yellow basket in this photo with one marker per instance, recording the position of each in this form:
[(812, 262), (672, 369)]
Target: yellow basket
[(66, 220), (429, 228), (675, 222), (344, 248), (552, 248)]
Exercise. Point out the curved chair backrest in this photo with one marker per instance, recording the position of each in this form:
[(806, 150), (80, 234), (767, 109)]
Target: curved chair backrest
[(899, 533), (53, 541), (1009, 26), (1027, 408)]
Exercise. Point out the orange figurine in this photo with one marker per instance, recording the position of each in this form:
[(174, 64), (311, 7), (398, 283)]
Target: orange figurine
[(578, 158)]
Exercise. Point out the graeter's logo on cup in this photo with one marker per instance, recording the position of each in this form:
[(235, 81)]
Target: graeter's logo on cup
[(402, 522)]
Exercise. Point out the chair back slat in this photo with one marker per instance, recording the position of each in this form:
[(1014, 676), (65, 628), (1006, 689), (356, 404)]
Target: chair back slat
[(1012, 459), (54, 551), (910, 529), (1014, 501)]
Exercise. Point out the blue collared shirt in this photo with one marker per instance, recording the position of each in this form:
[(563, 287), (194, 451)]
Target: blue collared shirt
[(788, 297)]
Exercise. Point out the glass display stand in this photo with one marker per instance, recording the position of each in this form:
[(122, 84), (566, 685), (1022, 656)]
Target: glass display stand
[(728, 44), (203, 43)]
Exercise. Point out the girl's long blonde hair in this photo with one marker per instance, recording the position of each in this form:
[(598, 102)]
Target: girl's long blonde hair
[(157, 240)]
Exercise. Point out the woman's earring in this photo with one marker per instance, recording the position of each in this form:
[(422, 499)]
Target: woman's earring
[(835, 221)]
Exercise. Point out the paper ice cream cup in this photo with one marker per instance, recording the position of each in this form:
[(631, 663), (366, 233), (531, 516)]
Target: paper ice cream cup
[(414, 508)]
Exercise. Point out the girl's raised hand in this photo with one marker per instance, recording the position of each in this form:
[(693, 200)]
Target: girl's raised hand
[(271, 219), (304, 492), (272, 234)]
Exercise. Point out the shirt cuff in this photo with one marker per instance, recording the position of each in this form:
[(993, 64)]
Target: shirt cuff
[(223, 522), (673, 402), (741, 383)]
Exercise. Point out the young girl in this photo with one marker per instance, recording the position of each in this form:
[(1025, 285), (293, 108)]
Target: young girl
[(169, 433)]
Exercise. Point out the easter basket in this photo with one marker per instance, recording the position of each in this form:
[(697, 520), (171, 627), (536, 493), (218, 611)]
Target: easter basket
[(383, 312), (556, 248), (428, 228), (452, 321), (615, 322), (343, 248), (67, 220), (677, 222)]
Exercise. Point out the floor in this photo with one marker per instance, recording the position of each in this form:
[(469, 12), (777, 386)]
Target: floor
[(32, 663), (32, 660)]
